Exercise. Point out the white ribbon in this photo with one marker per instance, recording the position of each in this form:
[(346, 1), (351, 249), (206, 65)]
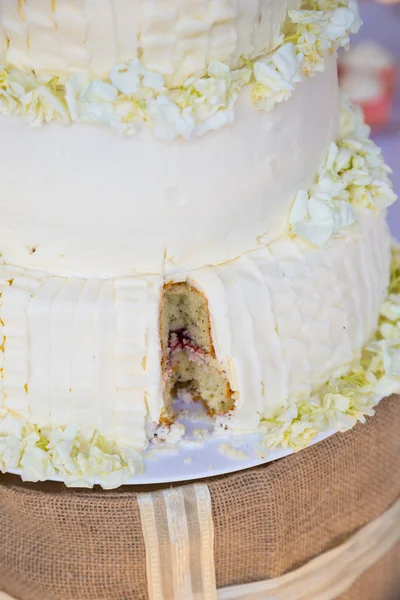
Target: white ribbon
[(179, 535)]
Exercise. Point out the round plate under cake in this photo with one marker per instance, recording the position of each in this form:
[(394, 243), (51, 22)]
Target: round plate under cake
[(199, 454)]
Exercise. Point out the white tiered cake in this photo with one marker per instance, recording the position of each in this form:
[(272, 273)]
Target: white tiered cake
[(194, 205)]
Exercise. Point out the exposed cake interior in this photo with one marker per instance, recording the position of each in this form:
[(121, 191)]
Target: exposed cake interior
[(189, 359)]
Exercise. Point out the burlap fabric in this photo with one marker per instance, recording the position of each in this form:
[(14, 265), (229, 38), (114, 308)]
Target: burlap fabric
[(59, 544)]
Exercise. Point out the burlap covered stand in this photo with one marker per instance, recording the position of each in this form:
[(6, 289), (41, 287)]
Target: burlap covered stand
[(59, 544)]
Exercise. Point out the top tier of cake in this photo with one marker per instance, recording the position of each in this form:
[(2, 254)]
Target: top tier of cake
[(197, 171), (176, 38)]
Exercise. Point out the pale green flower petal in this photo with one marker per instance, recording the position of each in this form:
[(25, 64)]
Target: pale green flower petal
[(129, 77), (390, 331), (11, 448), (352, 177), (318, 218), (99, 91), (35, 462), (391, 308), (126, 77), (169, 120), (327, 27), (276, 76)]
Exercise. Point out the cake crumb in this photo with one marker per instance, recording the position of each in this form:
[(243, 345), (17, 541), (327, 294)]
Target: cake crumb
[(190, 415), (172, 434), (185, 396), (187, 460), (162, 450), (192, 444), (233, 453), (200, 433)]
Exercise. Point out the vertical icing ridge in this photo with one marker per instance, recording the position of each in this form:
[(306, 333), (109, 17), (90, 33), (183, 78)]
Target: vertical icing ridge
[(137, 338), (62, 334), (178, 38)]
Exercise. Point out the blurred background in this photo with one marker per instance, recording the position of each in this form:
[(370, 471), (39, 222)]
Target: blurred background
[(370, 73)]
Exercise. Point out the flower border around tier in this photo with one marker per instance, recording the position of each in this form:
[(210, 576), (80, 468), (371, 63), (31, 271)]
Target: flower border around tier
[(134, 94)]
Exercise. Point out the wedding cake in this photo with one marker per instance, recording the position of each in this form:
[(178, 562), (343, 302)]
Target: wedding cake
[(187, 204)]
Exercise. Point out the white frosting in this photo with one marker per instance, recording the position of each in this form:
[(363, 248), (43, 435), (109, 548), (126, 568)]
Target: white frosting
[(133, 94), (97, 223), (82, 351), (176, 38), (284, 319), (93, 204)]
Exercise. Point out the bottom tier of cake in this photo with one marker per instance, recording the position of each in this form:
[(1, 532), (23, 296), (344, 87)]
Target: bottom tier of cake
[(278, 340), (59, 544), (250, 336)]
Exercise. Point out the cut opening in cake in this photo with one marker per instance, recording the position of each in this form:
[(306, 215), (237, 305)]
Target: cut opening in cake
[(189, 360)]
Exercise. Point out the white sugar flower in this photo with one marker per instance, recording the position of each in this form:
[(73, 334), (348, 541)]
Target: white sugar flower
[(377, 195), (9, 100), (81, 464), (390, 331), (98, 92), (339, 159), (36, 461), (37, 100), (352, 122), (204, 96), (350, 5), (42, 106), (75, 87), (318, 218), (211, 100), (169, 120), (276, 76), (387, 361), (10, 452), (64, 445), (337, 409), (328, 28), (11, 445), (8, 105), (290, 429), (109, 468), (391, 308), (353, 175), (97, 101), (129, 77)]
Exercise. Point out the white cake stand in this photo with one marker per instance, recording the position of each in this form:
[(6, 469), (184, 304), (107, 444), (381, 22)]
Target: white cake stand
[(209, 455)]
